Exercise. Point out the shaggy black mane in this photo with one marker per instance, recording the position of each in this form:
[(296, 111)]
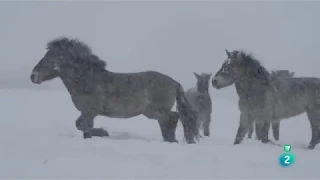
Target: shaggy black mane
[(78, 50), (253, 65)]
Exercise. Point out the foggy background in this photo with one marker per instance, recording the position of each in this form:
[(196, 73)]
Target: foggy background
[(175, 38)]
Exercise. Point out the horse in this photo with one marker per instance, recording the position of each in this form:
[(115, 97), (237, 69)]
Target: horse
[(263, 98), (274, 124), (96, 91), (200, 101)]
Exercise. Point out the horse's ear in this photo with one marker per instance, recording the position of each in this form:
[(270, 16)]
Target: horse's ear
[(292, 74), (227, 52), (196, 75), (239, 57)]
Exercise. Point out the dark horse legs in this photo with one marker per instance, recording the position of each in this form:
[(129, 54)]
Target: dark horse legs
[(314, 119), (85, 124), (167, 121), (168, 126), (206, 126), (262, 131), (246, 121), (244, 126), (276, 130), (251, 130)]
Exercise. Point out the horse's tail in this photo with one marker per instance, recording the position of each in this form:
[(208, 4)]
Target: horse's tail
[(187, 116)]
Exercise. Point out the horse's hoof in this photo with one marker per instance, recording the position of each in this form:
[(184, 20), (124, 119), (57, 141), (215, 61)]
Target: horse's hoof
[(265, 141), (311, 146), (236, 142), (99, 132), (206, 134), (87, 135), (191, 141), (171, 141)]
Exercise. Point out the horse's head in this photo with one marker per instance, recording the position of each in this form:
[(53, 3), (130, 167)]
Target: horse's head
[(202, 81), (229, 71), (58, 50), (45, 69), (239, 66)]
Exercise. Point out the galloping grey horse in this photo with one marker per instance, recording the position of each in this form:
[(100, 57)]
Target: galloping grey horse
[(200, 101), (263, 98), (274, 124), (97, 91)]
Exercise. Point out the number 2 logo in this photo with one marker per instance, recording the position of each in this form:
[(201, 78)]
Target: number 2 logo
[(287, 159)]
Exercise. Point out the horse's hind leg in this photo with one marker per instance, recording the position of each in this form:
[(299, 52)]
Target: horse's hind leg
[(168, 126), (263, 131), (314, 119), (276, 130), (244, 125), (258, 128), (85, 124), (251, 130), (167, 121), (206, 125)]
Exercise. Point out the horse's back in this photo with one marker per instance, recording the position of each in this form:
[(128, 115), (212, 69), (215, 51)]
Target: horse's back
[(162, 89), (292, 96), (201, 102)]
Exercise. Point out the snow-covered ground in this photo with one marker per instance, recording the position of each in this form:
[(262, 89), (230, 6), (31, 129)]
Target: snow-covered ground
[(38, 139)]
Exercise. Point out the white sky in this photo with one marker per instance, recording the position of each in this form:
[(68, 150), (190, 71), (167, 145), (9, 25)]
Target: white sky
[(139, 36)]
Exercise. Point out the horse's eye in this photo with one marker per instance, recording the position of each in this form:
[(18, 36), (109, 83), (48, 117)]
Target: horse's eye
[(56, 67), (259, 71)]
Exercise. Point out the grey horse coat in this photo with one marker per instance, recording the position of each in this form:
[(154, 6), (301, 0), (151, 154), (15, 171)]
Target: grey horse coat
[(200, 101), (264, 98), (274, 124), (97, 91)]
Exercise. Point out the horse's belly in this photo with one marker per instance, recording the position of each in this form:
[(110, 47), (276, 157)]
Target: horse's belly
[(282, 111), (122, 111)]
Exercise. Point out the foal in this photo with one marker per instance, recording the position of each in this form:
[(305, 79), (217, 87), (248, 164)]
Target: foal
[(200, 101)]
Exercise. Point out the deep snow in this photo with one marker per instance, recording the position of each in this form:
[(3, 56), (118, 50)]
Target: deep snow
[(39, 140)]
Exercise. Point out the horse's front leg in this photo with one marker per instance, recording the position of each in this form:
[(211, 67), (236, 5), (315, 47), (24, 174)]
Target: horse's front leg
[(244, 125), (206, 125), (85, 124), (263, 131), (251, 128)]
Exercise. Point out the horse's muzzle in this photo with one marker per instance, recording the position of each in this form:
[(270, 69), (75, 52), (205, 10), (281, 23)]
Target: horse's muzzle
[(215, 84), (34, 77)]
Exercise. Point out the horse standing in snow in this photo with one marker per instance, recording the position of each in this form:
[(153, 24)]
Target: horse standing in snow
[(97, 91), (274, 124), (200, 101), (263, 98)]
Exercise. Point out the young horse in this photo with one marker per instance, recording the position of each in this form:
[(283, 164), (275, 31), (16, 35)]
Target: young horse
[(200, 101), (274, 124), (264, 99), (96, 91)]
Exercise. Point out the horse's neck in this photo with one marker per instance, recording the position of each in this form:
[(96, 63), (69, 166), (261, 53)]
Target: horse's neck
[(249, 87), (69, 83), (76, 83)]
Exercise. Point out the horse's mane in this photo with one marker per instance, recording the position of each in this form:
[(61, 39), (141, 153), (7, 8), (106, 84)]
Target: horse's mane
[(78, 50), (253, 64)]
